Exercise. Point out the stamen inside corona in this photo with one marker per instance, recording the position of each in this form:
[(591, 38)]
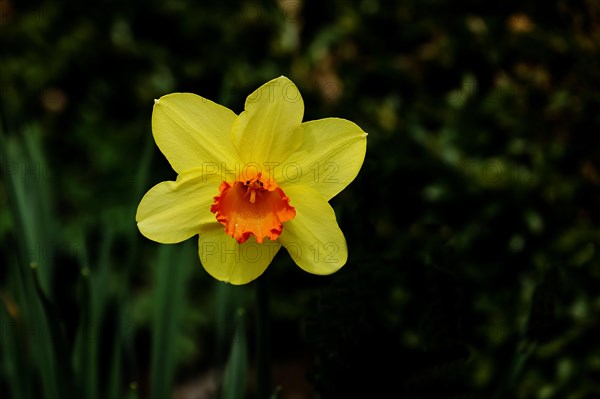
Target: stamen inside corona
[(255, 206)]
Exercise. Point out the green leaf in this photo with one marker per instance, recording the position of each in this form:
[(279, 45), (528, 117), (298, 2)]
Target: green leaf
[(34, 243), (15, 367), (236, 371), (171, 272)]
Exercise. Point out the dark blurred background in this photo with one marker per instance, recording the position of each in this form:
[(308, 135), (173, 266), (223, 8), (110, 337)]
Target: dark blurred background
[(472, 226)]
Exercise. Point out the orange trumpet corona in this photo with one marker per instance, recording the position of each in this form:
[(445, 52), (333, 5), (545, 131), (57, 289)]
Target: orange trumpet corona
[(254, 206)]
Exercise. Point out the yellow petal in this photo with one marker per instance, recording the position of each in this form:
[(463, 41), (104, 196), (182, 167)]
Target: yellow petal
[(173, 211), (269, 128), (313, 238), (227, 260), (193, 132), (332, 153)]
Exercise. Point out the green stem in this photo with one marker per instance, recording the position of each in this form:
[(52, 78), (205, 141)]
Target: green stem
[(263, 355)]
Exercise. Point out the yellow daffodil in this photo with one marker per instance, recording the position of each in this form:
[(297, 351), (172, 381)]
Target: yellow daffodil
[(251, 183)]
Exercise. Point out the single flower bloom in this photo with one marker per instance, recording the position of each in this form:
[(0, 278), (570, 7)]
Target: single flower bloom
[(248, 184)]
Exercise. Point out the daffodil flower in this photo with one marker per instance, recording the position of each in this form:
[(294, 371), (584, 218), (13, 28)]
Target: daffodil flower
[(248, 184)]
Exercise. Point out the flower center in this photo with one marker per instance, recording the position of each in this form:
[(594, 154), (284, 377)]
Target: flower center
[(254, 206)]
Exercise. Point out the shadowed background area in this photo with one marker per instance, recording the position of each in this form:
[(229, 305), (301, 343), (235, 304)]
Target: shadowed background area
[(472, 227)]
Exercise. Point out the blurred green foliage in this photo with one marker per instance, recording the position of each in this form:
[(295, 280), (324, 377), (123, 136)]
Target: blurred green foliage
[(472, 227)]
